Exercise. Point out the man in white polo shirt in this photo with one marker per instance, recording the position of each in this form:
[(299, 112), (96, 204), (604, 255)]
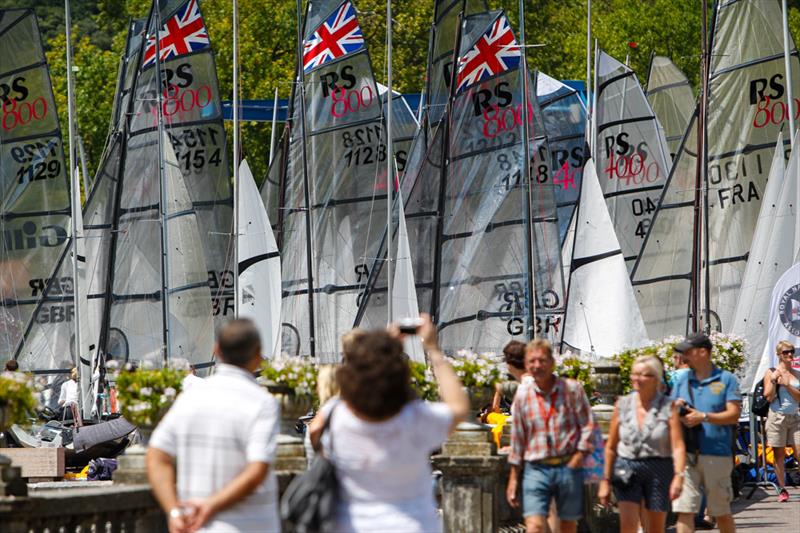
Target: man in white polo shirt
[(217, 441)]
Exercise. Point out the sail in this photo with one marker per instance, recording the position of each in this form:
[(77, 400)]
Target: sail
[(771, 254), (745, 114), (497, 246), (404, 295), (602, 316), (631, 154), (35, 209), (343, 209), (259, 265), (670, 95), (565, 125), (440, 61), (192, 112), (135, 324)]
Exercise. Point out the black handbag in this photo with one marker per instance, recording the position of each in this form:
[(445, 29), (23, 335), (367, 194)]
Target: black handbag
[(309, 502)]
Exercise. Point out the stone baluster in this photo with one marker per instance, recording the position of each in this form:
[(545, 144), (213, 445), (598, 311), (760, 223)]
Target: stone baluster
[(471, 471)]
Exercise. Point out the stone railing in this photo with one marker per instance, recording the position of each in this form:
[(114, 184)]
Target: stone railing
[(117, 508)]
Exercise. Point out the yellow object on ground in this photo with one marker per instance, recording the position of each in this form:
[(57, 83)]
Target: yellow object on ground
[(498, 420)]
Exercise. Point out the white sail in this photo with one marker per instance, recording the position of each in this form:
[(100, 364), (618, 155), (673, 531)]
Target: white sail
[(771, 254), (671, 97), (602, 315), (404, 291), (632, 158), (259, 265), (746, 53)]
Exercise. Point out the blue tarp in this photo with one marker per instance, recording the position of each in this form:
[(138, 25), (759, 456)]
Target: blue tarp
[(261, 110)]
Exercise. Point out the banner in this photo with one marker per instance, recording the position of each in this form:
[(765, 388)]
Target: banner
[(784, 320)]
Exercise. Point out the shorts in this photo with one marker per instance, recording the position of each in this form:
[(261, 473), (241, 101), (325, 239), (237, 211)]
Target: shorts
[(650, 482), (783, 430), (541, 483), (712, 476)]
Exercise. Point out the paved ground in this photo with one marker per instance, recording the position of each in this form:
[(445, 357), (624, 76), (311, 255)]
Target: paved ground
[(763, 512)]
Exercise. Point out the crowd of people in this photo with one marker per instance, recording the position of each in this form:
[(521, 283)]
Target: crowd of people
[(209, 460)]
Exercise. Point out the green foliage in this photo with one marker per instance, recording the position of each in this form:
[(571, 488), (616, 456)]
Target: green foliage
[(145, 395), (16, 398), (728, 354), (298, 374), (577, 369)]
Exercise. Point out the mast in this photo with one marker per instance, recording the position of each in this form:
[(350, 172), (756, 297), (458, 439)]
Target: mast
[(236, 157), (163, 191), (697, 253), (437, 262), (274, 127), (704, 168), (389, 160), (589, 106), (530, 244), (75, 205), (301, 80), (788, 66)]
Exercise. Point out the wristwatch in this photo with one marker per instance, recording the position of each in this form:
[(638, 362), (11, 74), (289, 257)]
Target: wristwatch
[(175, 512), (705, 417)]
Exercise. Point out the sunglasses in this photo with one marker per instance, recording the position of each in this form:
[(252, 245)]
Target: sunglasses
[(787, 352)]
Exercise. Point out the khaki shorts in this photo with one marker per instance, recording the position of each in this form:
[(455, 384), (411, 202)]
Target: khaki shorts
[(783, 430), (711, 475)]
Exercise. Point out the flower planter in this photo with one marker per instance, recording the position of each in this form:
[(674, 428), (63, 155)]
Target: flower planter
[(293, 406), (479, 397)]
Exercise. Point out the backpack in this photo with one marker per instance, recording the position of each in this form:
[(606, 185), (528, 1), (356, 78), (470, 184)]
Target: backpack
[(760, 405)]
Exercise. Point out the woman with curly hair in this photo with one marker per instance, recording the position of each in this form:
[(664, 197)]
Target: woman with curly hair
[(380, 435)]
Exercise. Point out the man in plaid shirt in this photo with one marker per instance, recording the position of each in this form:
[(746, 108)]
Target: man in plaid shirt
[(551, 432)]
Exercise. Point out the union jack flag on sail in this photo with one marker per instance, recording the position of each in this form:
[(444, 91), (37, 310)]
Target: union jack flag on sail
[(182, 34), (495, 52), (336, 37)]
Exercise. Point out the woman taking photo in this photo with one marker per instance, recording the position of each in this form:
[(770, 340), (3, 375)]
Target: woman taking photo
[(645, 453), (782, 389), (380, 435)]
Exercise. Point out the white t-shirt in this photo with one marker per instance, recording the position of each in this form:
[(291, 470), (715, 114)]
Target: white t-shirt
[(213, 431), (384, 469), (68, 393)]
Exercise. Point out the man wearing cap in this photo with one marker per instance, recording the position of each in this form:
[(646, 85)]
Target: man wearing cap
[(712, 407)]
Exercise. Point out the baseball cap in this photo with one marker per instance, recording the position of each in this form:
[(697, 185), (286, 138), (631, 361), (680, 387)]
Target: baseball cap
[(695, 340)]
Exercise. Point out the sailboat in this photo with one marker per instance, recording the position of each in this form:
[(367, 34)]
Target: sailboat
[(331, 199), (259, 265), (157, 303), (630, 152), (685, 257), (565, 125), (670, 95), (602, 316), (772, 253), (35, 210), (480, 238)]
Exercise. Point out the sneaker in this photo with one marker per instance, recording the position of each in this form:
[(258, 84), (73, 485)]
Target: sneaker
[(783, 496)]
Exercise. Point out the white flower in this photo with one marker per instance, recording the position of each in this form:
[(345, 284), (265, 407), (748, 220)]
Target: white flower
[(146, 391), (147, 365), (169, 392), (137, 407)]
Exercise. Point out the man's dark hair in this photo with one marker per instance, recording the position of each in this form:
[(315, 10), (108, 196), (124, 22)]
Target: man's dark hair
[(238, 341), (514, 353), (12, 365), (375, 378)]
